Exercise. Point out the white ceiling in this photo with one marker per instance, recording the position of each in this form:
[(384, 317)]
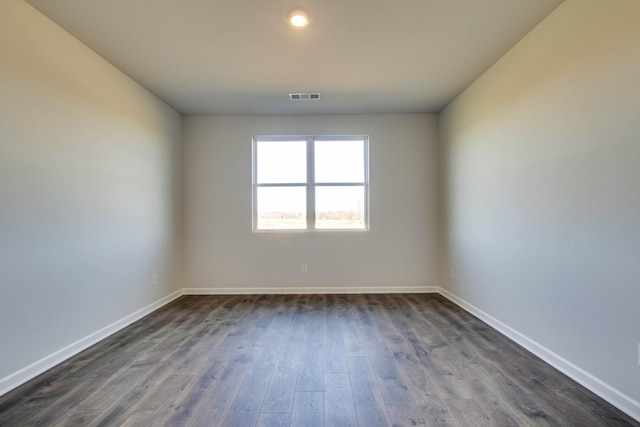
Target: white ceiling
[(241, 57)]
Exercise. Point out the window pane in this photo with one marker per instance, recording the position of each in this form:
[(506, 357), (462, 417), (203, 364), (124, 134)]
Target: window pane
[(282, 207), (339, 161), (340, 207), (281, 162)]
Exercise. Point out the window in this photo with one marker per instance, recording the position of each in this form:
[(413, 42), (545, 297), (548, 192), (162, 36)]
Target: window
[(310, 183)]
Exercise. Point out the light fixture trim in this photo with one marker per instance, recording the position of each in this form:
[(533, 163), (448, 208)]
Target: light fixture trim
[(298, 18)]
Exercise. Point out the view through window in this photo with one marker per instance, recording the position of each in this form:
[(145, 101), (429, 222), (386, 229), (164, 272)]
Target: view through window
[(310, 183)]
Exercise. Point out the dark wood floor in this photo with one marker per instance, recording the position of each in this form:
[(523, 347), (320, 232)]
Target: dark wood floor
[(300, 360)]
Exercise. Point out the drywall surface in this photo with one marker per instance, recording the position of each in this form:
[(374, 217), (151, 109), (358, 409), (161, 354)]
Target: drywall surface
[(222, 252), (89, 191), (542, 188)]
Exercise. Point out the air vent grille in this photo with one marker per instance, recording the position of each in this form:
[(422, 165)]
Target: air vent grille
[(304, 96)]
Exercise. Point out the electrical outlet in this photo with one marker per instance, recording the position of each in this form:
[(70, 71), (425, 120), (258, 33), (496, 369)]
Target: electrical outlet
[(452, 273), (303, 269), (154, 280)]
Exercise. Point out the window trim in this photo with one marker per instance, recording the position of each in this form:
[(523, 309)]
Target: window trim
[(310, 185)]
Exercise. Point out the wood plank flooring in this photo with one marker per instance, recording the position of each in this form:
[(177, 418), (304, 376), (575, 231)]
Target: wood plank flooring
[(307, 360)]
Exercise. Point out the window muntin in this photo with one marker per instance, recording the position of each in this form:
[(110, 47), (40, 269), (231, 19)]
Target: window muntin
[(334, 185)]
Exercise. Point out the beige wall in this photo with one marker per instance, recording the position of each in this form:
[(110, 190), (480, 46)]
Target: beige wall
[(543, 191), (539, 196), (89, 191), (221, 251)]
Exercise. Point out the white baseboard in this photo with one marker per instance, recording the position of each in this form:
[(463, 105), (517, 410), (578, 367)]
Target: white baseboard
[(20, 377), (594, 384), (27, 373), (597, 386), (314, 290)]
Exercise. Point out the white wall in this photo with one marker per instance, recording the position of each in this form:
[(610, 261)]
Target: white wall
[(89, 192), (222, 252), (543, 191)]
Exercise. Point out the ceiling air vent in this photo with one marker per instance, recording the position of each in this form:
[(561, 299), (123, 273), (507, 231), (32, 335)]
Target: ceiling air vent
[(304, 96)]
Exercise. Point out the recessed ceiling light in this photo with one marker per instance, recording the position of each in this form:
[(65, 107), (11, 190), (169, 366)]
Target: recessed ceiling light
[(298, 18)]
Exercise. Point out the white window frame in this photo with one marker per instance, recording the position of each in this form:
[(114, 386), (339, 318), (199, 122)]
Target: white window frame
[(310, 184)]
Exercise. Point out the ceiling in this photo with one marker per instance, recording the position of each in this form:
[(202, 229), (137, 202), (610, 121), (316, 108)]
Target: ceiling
[(241, 56)]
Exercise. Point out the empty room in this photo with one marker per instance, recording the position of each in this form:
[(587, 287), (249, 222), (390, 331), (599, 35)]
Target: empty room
[(320, 213)]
